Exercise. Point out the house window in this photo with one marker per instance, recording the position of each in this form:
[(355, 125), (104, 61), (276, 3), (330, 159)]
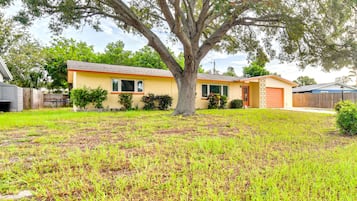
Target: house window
[(225, 91), (115, 85), (216, 89), (140, 86), (204, 90), (127, 85)]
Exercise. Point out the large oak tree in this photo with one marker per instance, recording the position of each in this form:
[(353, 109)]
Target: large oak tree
[(313, 32)]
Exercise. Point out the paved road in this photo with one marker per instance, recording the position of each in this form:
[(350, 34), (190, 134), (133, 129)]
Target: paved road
[(316, 110)]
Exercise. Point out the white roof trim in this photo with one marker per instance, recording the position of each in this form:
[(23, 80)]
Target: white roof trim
[(4, 70)]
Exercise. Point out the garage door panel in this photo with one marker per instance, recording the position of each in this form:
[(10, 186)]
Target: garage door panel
[(274, 97)]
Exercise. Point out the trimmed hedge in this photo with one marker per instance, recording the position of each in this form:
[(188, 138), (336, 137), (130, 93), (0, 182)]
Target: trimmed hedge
[(222, 102), (81, 97), (347, 117), (149, 101), (98, 96), (216, 101), (163, 102), (237, 103), (126, 99)]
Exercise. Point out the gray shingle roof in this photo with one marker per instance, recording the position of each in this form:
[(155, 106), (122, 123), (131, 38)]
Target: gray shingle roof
[(319, 86), (130, 70)]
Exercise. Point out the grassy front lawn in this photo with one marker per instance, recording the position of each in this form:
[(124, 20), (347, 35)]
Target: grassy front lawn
[(215, 155)]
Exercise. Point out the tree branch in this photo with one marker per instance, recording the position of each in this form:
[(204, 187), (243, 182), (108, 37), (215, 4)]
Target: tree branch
[(214, 39), (167, 14), (221, 31), (200, 23), (190, 17), (154, 41), (175, 22)]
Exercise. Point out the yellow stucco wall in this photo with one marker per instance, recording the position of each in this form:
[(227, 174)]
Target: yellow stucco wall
[(70, 76), (234, 92), (254, 94), (167, 86), (155, 85), (288, 94)]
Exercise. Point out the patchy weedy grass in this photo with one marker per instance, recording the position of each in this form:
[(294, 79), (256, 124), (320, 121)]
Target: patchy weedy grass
[(138, 155)]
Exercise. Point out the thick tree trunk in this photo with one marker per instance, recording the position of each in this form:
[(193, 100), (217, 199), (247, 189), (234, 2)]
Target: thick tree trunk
[(186, 85)]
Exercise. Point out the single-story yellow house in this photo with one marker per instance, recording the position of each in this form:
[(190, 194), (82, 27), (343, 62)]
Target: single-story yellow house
[(268, 91)]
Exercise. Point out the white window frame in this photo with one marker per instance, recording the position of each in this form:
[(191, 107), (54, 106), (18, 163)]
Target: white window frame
[(135, 85), (208, 89)]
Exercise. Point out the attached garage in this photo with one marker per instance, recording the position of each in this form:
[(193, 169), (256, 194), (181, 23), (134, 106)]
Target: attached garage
[(269, 91), (274, 97)]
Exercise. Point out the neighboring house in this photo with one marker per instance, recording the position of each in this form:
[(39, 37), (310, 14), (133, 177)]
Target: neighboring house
[(11, 96), (333, 87), (258, 92)]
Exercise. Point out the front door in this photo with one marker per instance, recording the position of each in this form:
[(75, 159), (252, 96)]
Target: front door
[(245, 95)]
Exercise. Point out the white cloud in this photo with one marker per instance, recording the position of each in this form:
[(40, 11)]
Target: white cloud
[(240, 63), (213, 55), (40, 31), (291, 71)]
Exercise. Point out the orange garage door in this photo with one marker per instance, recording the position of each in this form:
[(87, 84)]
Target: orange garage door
[(275, 97)]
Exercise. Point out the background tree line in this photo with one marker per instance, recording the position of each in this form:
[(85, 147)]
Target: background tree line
[(34, 65)]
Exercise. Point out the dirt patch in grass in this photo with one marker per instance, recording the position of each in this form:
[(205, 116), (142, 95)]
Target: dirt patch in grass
[(337, 143), (124, 168), (176, 131), (91, 141), (23, 136), (23, 132), (108, 131)]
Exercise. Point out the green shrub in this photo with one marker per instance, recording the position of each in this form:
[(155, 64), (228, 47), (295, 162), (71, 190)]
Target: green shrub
[(237, 103), (216, 101), (149, 101), (341, 104), (165, 101), (213, 101), (222, 102), (347, 119), (126, 100), (98, 96), (81, 97)]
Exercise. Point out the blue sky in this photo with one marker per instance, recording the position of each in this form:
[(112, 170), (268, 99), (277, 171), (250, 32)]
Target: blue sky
[(111, 33)]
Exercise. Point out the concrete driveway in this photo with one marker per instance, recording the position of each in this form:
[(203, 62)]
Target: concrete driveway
[(312, 109)]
